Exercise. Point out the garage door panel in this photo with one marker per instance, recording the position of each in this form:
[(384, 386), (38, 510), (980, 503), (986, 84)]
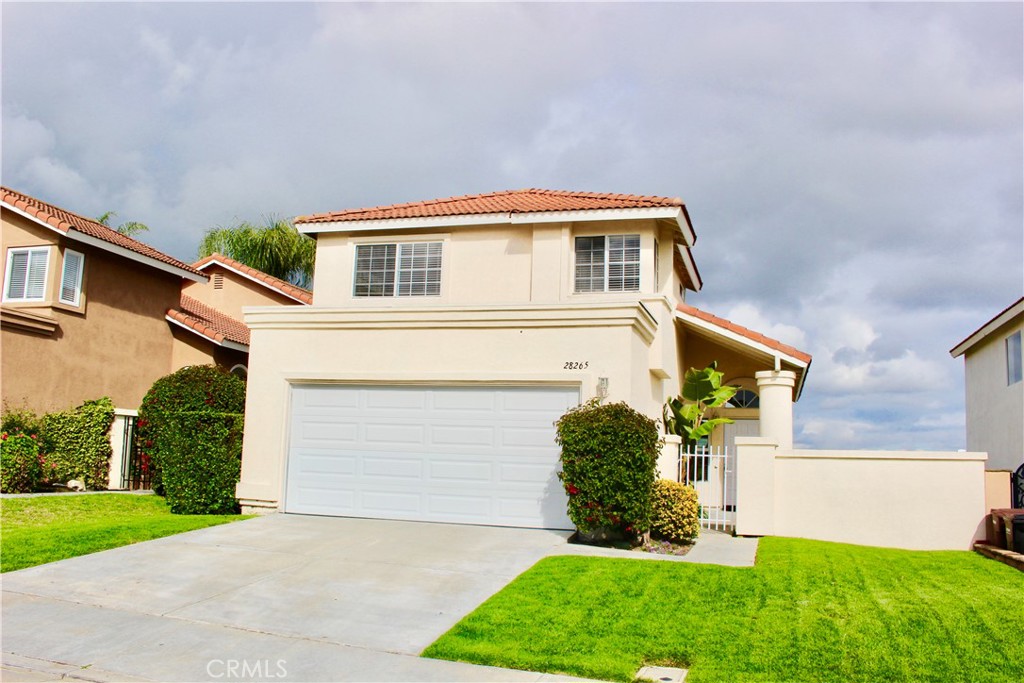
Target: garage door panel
[(460, 471), (333, 432), (394, 433), (479, 455), (394, 399), (462, 435), (391, 466), (313, 396)]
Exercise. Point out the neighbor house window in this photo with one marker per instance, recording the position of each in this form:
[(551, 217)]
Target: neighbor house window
[(402, 269), (25, 278), (1013, 359), (608, 263), (71, 278)]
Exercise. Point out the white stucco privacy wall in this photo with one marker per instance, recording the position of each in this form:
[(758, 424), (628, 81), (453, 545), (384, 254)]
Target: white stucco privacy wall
[(919, 500)]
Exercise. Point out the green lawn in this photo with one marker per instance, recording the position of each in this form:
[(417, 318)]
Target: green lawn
[(809, 611), (49, 528)]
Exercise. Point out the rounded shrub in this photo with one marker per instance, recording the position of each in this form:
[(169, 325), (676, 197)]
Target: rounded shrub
[(676, 514), (20, 467), (190, 433), (609, 457)]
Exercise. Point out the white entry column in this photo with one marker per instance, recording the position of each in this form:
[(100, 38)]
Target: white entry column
[(775, 390)]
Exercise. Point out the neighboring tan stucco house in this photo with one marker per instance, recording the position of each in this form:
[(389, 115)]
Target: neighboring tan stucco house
[(207, 322), (83, 309), (994, 379), (446, 336)]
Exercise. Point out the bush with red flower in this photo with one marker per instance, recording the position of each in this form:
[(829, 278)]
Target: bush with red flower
[(609, 458)]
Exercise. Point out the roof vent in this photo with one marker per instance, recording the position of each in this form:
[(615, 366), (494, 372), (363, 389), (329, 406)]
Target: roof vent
[(218, 280)]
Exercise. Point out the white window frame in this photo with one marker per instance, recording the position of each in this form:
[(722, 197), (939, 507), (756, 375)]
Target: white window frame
[(608, 263), (10, 263), (396, 274), (1014, 360), (76, 300)]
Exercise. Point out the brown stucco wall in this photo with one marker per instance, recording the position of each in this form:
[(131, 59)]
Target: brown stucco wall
[(191, 349), (116, 344)]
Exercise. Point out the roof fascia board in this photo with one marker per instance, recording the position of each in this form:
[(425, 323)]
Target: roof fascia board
[(77, 236), (691, 268), (225, 343), (34, 219), (729, 334), (988, 328), (249, 277), (670, 212)]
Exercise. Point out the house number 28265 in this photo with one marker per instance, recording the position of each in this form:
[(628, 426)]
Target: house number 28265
[(576, 365)]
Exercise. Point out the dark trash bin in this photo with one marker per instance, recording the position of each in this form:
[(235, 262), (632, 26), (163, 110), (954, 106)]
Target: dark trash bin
[(1018, 534)]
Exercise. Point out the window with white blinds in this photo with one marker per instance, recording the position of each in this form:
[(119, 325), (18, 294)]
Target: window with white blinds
[(25, 276), (608, 263), (402, 269), (71, 278)]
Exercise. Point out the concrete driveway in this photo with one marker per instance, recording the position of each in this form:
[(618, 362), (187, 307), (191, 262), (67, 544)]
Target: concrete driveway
[(282, 597)]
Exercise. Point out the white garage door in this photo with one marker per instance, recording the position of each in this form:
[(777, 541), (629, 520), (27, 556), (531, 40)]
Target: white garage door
[(442, 454)]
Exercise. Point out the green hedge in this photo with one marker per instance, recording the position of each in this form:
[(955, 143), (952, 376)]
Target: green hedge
[(609, 457), (676, 512), (20, 467), (77, 443), (201, 458), (190, 432)]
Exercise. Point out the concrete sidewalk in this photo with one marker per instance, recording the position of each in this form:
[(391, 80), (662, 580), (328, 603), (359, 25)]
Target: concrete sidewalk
[(282, 597)]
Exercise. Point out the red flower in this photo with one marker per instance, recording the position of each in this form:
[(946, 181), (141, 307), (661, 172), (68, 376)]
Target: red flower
[(572, 489)]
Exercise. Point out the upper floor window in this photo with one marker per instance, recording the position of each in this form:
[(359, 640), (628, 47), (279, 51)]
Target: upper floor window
[(71, 278), (402, 269), (1013, 359), (25, 278), (608, 263)]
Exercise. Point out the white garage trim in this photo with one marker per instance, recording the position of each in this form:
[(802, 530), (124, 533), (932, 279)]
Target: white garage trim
[(476, 454)]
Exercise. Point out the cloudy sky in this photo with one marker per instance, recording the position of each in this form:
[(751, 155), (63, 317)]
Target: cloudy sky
[(853, 171)]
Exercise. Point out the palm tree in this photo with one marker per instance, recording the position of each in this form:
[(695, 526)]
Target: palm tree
[(128, 229), (276, 248)]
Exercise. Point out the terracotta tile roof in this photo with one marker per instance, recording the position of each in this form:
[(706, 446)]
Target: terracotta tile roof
[(286, 288), (510, 201), (209, 322), (65, 221), (745, 332)]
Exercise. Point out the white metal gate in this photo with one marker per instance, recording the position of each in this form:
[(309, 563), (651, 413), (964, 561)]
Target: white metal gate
[(711, 471)]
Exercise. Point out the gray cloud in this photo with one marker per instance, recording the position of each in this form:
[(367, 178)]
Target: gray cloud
[(854, 171)]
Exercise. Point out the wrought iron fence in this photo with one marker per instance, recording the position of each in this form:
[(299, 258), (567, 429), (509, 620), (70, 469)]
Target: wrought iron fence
[(711, 471)]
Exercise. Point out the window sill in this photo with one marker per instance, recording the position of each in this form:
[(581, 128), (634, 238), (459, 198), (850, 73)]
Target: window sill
[(27, 321)]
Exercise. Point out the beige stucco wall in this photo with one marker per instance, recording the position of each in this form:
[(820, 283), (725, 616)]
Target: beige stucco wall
[(918, 500), (995, 410), (491, 345), (495, 264), (237, 292), (997, 490), (115, 344)]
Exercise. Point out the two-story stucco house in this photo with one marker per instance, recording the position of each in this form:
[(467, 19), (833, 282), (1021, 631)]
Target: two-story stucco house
[(83, 308), (446, 336), (994, 379)]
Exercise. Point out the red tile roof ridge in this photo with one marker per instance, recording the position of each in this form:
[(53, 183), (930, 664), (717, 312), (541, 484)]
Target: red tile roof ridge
[(528, 200), (209, 322), (280, 285), (745, 332), (64, 220)]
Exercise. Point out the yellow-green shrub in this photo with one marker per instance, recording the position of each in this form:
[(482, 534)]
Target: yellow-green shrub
[(676, 512)]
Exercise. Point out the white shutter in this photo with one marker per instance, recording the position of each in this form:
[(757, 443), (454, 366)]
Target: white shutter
[(17, 274), (26, 274), (71, 278)]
